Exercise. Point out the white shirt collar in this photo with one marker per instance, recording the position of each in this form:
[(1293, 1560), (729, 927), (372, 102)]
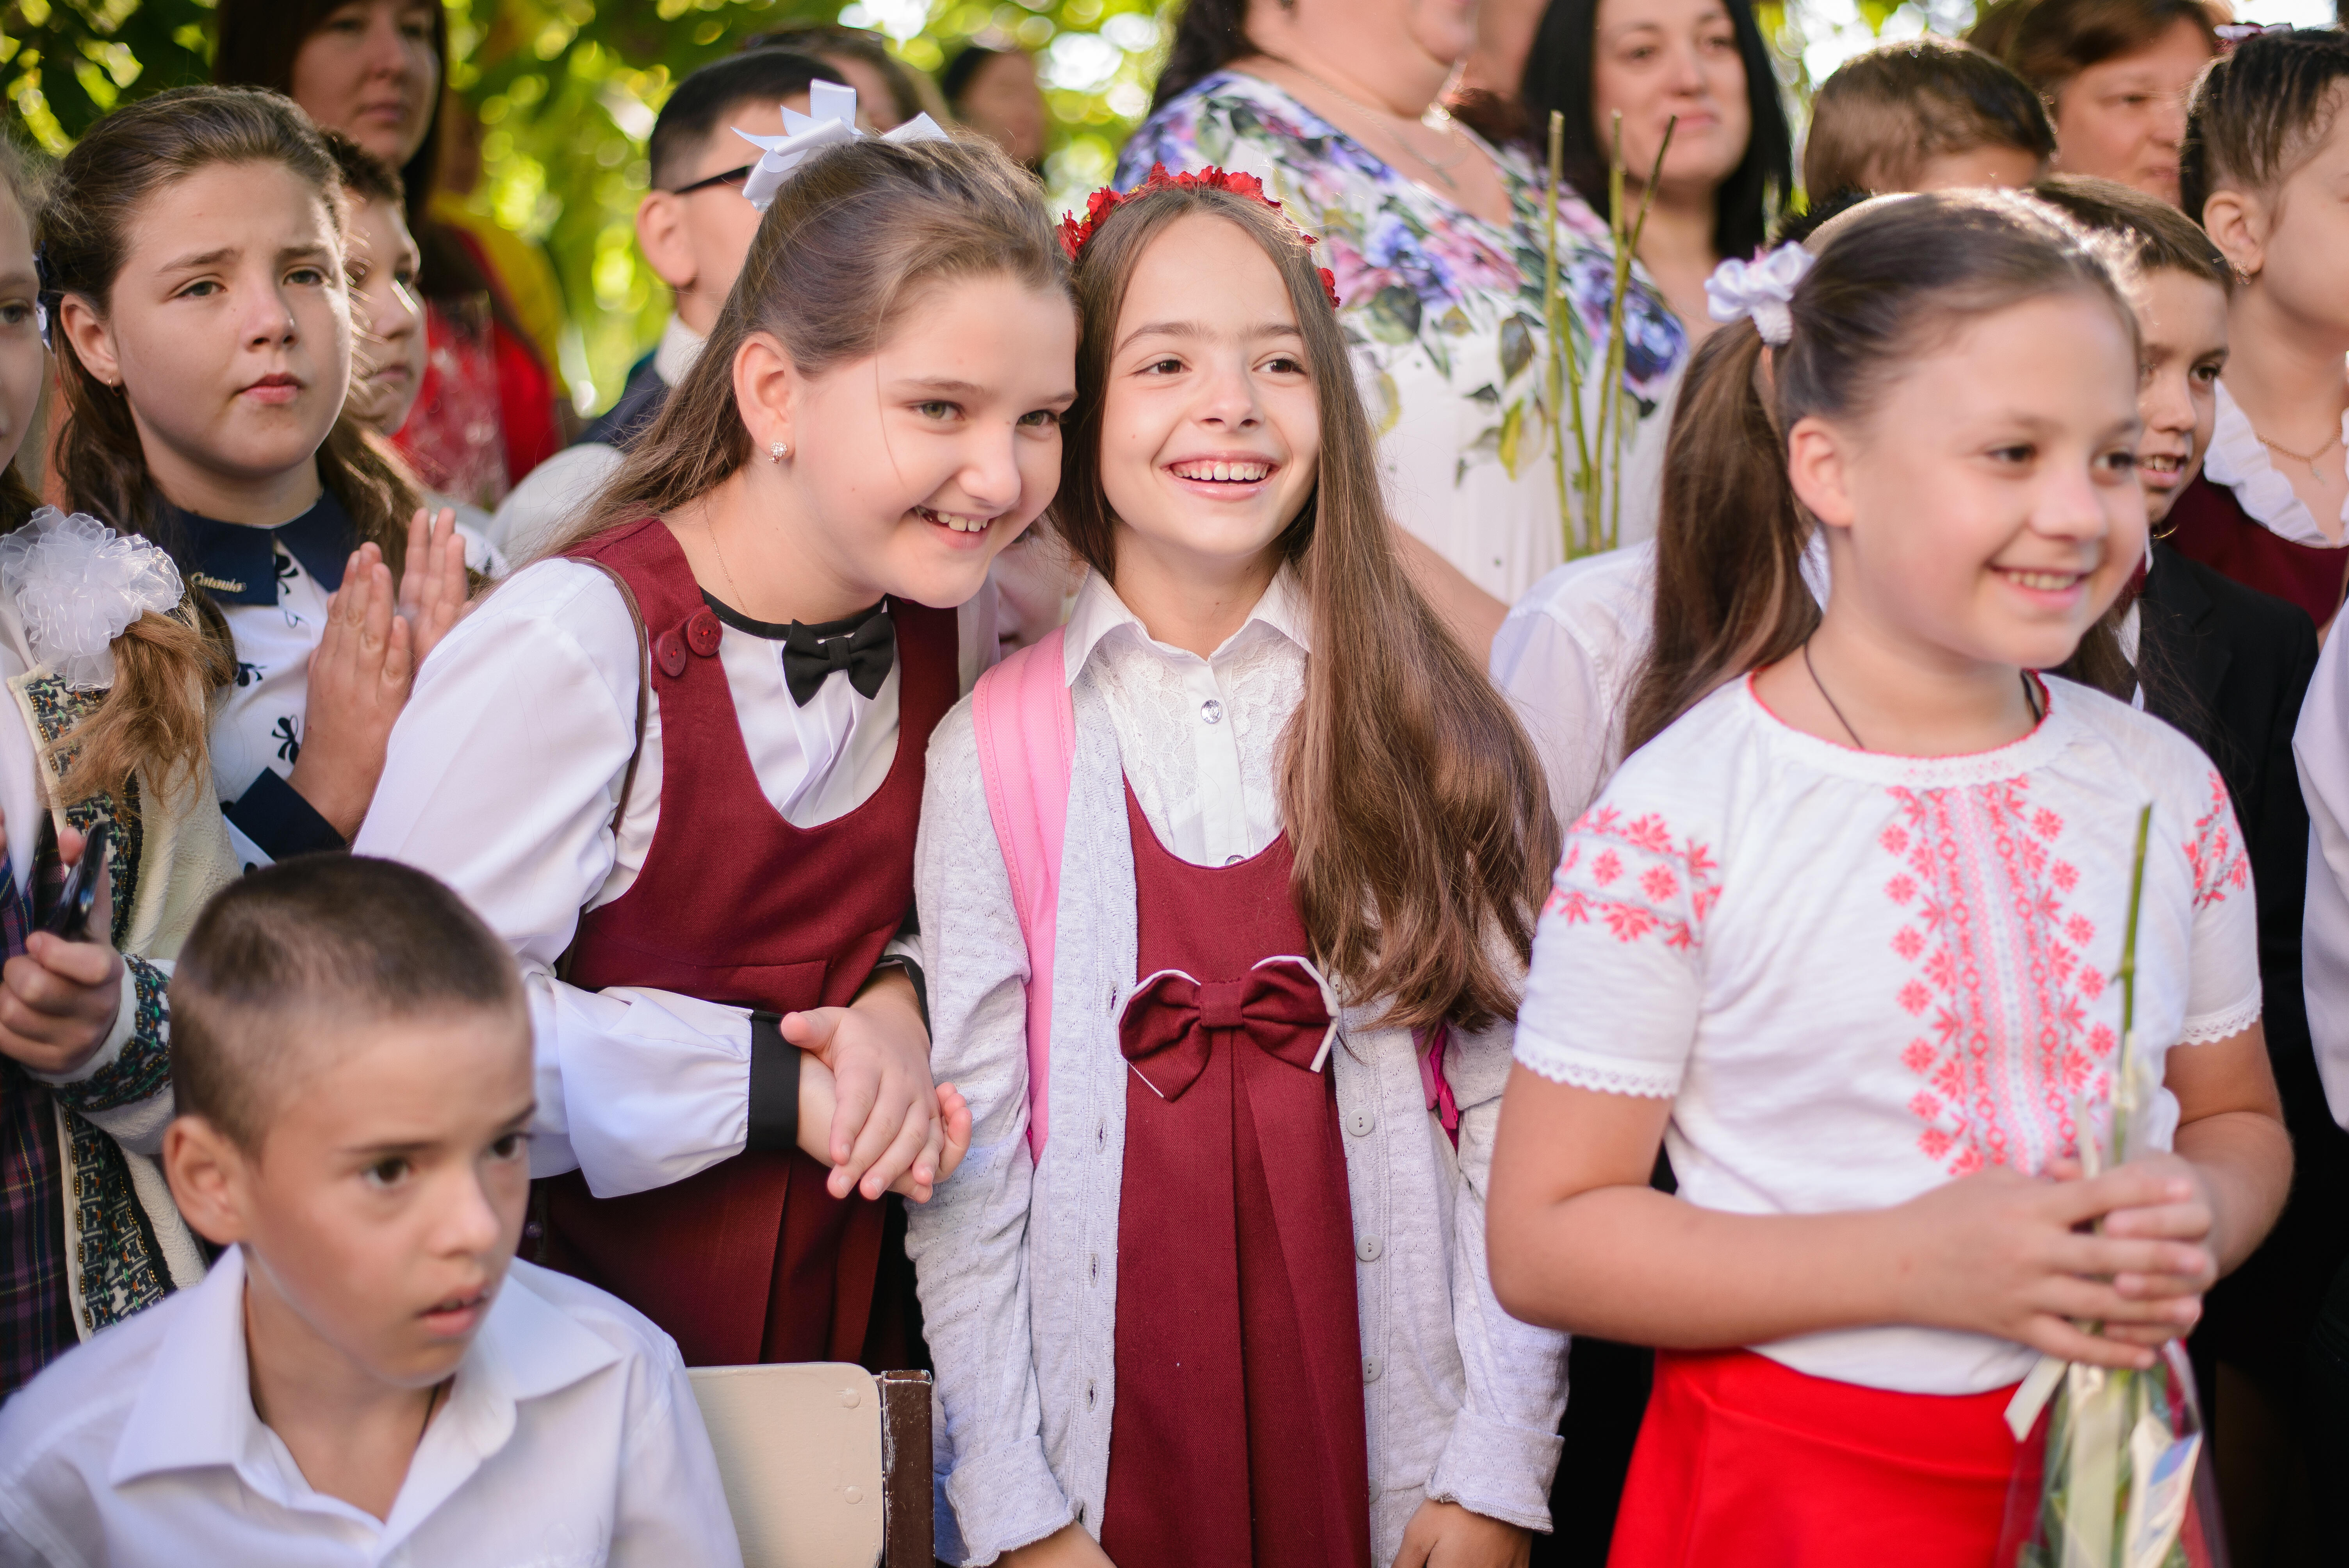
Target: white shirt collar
[(680, 345), (1099, 612), (196, 1410), (2240, 460)]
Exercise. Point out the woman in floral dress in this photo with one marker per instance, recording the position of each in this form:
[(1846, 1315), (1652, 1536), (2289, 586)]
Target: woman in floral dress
[(1436, 237)]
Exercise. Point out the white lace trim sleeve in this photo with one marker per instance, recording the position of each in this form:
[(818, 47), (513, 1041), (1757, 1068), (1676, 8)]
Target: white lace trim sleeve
[(2222, 1026), (1601, 1075)]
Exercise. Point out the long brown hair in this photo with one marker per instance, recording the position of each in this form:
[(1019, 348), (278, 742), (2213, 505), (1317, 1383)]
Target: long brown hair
[(164, 664), (1411, 798), (855, 236), (1730, 538)]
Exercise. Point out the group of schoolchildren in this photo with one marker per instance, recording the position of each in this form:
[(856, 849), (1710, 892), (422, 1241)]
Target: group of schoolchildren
[(1231, 1036)]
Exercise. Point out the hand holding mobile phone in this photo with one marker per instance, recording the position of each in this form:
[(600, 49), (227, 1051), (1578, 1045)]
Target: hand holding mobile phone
[(70, 918)]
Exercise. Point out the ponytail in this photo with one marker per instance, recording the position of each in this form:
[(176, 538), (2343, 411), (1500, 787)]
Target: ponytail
[(1729, 540)]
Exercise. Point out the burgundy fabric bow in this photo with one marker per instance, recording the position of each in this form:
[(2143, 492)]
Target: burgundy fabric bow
[(1166, 1027)]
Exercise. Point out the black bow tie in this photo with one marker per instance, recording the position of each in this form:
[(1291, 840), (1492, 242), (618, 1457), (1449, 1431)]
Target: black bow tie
[(864, 645)]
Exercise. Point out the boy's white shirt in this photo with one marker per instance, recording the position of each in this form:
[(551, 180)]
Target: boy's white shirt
[(569, 1437)]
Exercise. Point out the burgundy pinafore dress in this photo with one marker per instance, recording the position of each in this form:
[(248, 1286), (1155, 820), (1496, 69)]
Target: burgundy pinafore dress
[(2210, 525), (1239, 1435), (751, 1260)]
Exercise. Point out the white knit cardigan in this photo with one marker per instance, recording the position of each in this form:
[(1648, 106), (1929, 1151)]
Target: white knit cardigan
[(1018, 1262)]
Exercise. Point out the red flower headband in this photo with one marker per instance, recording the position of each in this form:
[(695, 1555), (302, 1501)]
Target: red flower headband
[(1107, 199)]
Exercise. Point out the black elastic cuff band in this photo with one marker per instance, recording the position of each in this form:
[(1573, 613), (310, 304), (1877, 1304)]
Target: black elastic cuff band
[(275, 816), (774, 1087)]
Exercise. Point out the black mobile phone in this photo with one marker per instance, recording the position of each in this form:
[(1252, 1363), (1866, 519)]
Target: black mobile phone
[(70, 918)]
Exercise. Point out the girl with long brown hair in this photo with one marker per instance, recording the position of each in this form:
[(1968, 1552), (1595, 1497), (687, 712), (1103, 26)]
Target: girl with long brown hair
[(193, 246), (677, 762), (1211, 1286), (1846, 933)]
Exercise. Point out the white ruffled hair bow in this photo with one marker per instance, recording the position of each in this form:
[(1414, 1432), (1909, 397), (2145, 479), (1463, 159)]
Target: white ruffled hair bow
[(1762, 289), (830, 120), (76, 585)]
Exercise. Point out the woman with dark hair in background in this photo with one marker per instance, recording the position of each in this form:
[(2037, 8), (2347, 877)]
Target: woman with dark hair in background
[(1436, 239), (373, 69), (995, 92), (1699, 66), (2115, 74)]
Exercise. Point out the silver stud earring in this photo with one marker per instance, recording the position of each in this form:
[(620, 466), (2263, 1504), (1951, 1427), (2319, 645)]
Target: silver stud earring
[(778, 451)]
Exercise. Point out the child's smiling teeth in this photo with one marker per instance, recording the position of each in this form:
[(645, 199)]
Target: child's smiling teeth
[(1225, 473), (955, 521), (2043, 582)]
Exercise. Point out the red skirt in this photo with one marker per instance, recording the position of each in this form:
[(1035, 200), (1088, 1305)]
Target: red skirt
[(1743, 1460)]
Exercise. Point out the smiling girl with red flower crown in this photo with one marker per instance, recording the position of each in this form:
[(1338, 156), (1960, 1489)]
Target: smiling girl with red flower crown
[(1226, 893)]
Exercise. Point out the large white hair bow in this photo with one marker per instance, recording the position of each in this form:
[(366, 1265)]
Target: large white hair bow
[(830, 120), (76, 585), (1761, 289)]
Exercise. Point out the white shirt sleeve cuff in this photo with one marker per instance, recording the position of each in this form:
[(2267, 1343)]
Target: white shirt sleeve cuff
[(1005, 1500), (1501, 1471)]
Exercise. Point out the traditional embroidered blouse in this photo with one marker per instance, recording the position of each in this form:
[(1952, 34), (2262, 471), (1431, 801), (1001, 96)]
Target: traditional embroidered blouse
[(1859, 976), (1443, 312)]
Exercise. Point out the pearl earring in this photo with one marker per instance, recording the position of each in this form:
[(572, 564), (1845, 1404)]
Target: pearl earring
[(778, 451)]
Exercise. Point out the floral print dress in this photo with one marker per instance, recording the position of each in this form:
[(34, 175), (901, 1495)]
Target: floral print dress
[(1444, 310)]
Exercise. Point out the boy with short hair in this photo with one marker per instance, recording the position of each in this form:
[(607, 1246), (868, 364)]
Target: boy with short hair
[(1924, 114), (368, 1372), (694, 229)]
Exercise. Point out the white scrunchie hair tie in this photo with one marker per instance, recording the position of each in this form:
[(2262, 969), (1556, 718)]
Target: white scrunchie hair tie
[(77, 584), (1761, 289), (831, 120)]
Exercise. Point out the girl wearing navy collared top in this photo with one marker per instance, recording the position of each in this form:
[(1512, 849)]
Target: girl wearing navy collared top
[(193, 248), (678, 762)]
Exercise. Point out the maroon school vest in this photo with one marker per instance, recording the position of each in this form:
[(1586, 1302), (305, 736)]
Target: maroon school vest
[(751, 1260), (2210, 525), (1239, 1435)]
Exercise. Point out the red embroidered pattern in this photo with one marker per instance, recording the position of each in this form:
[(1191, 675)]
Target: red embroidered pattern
[(1669, 869), (2215, 852), (2000, 988)]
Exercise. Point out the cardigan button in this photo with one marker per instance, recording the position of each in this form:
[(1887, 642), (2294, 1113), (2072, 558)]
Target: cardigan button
[(1368, 1248), (1360, 1122), (1370, 1368)]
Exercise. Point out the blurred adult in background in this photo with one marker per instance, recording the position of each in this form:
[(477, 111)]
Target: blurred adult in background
[(1699, 66), (1436, 239), (995, 92), (374, 69), (2114, 75), (889, 92), (694, 229)]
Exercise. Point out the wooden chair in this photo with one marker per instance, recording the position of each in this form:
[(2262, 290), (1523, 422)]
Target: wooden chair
[(825, 1464)]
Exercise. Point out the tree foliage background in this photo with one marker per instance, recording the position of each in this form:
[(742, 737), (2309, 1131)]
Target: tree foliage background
[(566, 91)]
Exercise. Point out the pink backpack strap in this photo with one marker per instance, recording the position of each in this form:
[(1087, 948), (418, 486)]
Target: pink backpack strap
[(1027, 747)]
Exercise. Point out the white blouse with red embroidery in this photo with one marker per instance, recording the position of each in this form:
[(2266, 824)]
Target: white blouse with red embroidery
[(1859, 976)]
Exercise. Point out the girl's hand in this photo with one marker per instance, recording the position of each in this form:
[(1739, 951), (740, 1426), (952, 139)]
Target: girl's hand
[(359, 676), (1067, 1547), (819, 1101), (887, 1122), (2189, 1220), (2001, 1254), (1446, 1535), (60, 999), (432, 588)]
